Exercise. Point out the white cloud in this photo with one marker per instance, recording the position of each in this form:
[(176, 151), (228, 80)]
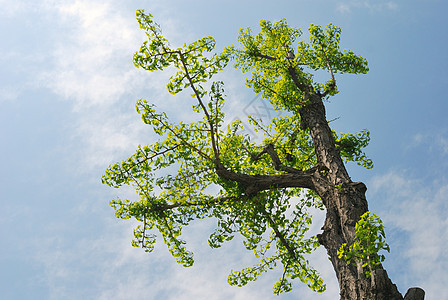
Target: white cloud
[(11, 8), (8, 93), (104, 136), (372, 6), (343, 8), (93, 56), (92, 59), (418, 209), (92, 68), (434, 142)]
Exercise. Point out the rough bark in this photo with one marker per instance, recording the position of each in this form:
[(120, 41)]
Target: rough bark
[(345, 202)]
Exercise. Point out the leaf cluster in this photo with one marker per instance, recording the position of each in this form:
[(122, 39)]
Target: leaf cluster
[(193, 65), (370, 239), (280, 70), (351, 147), (293, 230)]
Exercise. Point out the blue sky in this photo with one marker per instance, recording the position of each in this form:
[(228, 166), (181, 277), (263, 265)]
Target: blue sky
[(67, 93)]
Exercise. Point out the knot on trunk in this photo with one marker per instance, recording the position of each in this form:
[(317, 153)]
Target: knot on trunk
[(359, 186)]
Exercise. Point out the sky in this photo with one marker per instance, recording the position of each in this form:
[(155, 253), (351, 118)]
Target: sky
[(67, 93)]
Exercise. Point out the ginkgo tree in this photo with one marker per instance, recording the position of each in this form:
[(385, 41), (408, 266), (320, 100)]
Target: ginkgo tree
[(260, 191)]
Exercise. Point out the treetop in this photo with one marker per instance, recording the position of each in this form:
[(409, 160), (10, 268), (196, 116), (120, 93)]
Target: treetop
[(260, 191)]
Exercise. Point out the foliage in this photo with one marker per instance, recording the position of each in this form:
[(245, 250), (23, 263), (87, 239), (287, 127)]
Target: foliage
[(370, 239), (351, 146), (201, 169), (278, 75)]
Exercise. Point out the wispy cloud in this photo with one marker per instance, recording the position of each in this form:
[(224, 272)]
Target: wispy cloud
[(419, 210), (8, 93), (91, 67), (434, 142), (92, 63), (371, 5), (107, 267), (10, 8)]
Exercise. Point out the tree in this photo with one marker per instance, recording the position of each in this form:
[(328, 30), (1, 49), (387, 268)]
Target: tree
[(261, 191)]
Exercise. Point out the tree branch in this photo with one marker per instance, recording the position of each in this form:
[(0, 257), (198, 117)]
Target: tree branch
[(283, 241), (256, 183), (301, 86), (264, 56), (198, 97), (269, 149), (185, 142), (187, 204)]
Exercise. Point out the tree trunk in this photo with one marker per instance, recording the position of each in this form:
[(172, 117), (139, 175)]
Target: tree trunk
[(345, 202)]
